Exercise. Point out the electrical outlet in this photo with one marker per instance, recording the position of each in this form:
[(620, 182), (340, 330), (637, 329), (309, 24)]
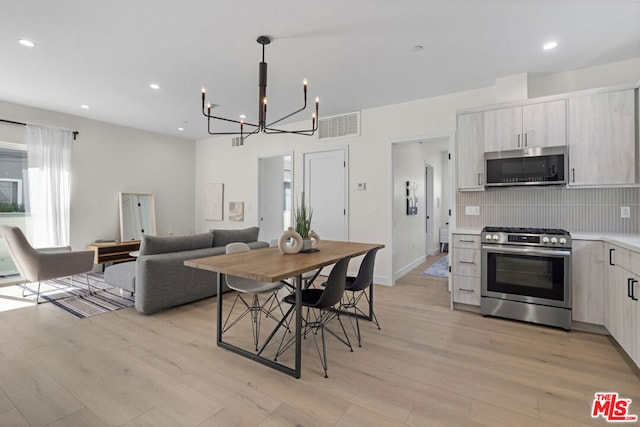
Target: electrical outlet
[(625, 211), (472, 210), (362, 186)]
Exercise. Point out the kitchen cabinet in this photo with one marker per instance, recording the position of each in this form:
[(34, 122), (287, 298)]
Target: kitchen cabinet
[(540, 124), (602, 138), (622, 295), (470, 152), (587, 278), (466, 269)]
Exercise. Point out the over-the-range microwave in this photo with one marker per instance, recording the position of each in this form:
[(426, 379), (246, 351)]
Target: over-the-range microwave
[(532, 166)]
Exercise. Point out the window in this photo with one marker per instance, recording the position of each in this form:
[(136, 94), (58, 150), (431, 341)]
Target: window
[(13, 200)]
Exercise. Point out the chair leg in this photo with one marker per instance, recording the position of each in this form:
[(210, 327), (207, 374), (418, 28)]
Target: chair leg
[(38, 294)]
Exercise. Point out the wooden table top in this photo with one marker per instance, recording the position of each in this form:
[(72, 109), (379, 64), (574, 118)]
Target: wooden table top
[(269, 265)]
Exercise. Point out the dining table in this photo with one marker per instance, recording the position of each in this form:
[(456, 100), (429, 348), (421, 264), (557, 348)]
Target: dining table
[(270, 265)]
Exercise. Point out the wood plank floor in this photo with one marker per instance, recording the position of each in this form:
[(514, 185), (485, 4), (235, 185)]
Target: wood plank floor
[(428, 366)]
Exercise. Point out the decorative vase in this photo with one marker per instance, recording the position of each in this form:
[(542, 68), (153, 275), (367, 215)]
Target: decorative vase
[(315, 239), (307, 244), (290, 242)]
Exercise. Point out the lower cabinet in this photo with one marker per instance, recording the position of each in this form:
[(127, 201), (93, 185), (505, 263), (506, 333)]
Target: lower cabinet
[(587, 278), (465, 268), (622, 296)]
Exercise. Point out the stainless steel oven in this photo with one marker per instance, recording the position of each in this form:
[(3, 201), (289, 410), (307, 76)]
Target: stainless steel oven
[(526, 275)]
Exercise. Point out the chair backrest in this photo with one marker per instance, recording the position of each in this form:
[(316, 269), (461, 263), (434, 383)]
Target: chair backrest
[(24, 256), (233, 248), (365, 274), (236, 247), (335, 285)]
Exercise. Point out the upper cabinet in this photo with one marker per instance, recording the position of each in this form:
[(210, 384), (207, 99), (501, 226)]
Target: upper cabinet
[(541, 124), (602, 138), (470, 152)]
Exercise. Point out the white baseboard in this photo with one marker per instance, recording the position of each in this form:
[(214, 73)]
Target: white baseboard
[(404, 270)]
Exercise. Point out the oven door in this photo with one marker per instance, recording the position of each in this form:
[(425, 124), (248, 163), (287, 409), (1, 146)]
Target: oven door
[(527, 274)]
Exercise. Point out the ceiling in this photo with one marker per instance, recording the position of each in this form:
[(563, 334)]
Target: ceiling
[(355, 54)]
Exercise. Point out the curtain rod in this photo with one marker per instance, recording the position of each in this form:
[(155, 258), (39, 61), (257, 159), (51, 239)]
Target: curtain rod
[(75, 132)]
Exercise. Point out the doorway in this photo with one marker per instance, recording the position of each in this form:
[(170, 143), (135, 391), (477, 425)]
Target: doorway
[(274, 195), (424, 163)]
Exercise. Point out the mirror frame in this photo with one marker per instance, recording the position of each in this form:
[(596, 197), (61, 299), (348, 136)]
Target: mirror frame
[(153, 214)]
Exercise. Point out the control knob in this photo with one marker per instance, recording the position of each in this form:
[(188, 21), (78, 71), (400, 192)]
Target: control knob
[(495, 237), (563, 241), (554, 240), (545, 240), (488, 237)]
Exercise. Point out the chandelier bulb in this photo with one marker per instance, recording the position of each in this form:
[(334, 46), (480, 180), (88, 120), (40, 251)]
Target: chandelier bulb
[(204, 90), (317, 100)]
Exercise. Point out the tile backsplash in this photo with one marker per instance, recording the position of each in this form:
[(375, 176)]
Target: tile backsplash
[(578, 210)]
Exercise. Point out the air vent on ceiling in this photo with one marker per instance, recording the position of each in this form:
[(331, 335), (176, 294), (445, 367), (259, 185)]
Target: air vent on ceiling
[(339, 126)]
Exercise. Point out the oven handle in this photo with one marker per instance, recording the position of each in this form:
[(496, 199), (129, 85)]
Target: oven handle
[(527, 251)]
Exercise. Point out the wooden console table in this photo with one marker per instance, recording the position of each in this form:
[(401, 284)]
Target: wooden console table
[(113, 252)]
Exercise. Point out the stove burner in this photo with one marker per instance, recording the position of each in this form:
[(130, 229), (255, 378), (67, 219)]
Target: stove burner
[(524, 230)]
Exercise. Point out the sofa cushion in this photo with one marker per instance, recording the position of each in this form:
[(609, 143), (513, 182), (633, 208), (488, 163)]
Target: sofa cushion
[(224, 237), (163, 244)]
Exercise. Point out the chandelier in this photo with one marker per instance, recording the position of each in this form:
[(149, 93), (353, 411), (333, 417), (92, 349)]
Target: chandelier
[(262, 126)]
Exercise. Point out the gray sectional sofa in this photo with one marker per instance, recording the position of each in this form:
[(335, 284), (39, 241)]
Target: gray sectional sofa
[(159, 278)]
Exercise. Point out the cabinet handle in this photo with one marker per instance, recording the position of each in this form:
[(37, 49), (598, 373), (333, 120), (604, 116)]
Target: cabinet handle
[(629, 287), (573, 174), (465, 290), (633, 282), (518, 140), (525, 140), (611, 257), (467, 241), (479, 179), (466, 262)]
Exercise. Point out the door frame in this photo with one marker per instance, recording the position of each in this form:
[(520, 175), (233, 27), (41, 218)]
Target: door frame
[(390, 194)]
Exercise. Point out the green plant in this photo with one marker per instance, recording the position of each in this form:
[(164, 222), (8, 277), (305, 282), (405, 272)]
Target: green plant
[(11, 207), (303, 219)]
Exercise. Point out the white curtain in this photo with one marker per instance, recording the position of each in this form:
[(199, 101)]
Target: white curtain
[(49, 163)]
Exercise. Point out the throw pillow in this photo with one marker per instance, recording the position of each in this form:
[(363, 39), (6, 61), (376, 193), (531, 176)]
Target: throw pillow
[(224, 237), (152, 245)]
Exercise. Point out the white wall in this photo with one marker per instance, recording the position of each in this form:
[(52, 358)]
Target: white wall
[(107, 159)]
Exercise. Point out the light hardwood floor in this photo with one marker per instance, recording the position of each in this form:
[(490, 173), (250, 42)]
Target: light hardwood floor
[(428, 366)]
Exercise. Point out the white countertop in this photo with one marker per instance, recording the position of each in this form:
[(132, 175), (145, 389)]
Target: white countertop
[(627, 241)]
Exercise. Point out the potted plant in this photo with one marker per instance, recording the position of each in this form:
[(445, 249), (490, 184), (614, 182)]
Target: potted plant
[(303, 223)]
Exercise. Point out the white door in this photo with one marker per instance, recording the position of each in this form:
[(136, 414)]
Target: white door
[(429, 202), (271, 196), (325, 186)]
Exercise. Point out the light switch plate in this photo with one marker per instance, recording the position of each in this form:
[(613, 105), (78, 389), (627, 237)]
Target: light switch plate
[(472, 210), (625, 211)]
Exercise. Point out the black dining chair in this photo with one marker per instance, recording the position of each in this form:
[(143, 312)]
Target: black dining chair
[(356, 288), (322, 302)]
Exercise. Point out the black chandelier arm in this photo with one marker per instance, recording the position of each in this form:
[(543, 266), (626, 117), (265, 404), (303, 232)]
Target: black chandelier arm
[(288, 115), (297, 132), (209, 117)]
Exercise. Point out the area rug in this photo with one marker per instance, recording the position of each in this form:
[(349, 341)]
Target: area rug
[(77, 299), (439, 269)]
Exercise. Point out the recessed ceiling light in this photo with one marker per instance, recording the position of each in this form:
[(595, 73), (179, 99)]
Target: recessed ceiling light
[(417, 48), (180, 129), (550, 45), (86, 107), (27, 43), (155, 86)]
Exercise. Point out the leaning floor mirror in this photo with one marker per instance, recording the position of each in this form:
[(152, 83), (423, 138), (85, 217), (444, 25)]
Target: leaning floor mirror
[(137, 216)]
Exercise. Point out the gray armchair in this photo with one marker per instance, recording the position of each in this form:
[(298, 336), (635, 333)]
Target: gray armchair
[(36, 265)]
